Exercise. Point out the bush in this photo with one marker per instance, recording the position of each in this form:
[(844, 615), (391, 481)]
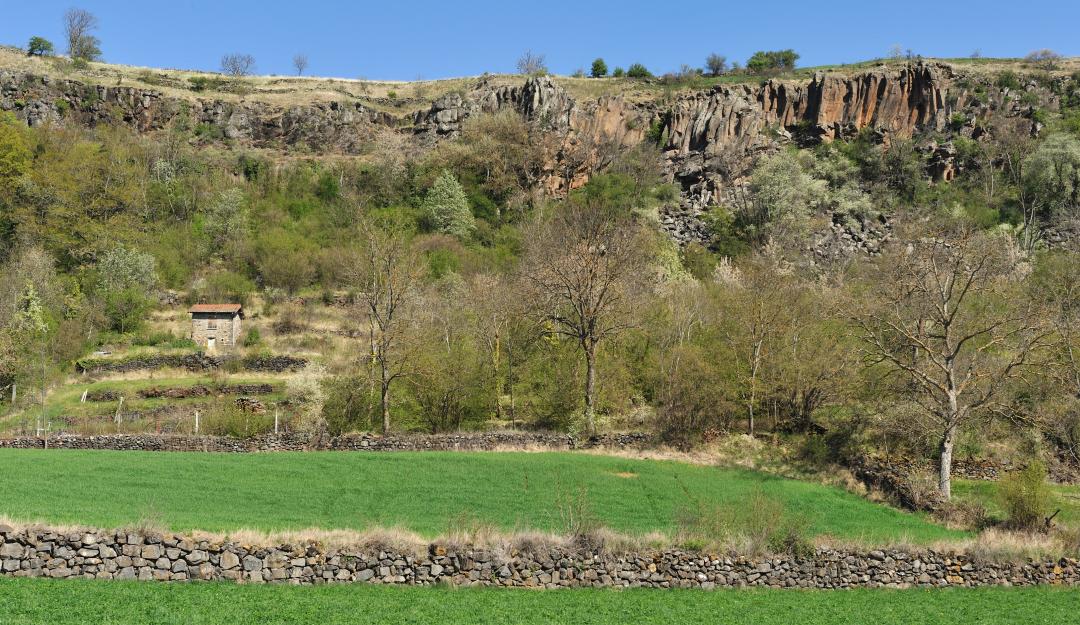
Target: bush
[(1008, 80), (350, 405), (1025, 497), (619, 72), (757, 527), (224, 286), (637, 70), (252, 338), (226, 419)]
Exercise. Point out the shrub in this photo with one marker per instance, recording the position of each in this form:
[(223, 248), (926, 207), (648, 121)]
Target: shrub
[(599, 69), (619, 72), (532, 64), (226, 419), (637, 70), (1025, 497), (1008, 80), (391, 94), (252, 338), (759, 526), (224, 286)]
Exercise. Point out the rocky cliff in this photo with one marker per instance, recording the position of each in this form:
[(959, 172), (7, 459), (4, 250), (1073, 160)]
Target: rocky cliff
[(709, 138)]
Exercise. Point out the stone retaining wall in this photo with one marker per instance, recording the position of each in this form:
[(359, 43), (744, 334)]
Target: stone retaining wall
[(96, 554), (300, 441)]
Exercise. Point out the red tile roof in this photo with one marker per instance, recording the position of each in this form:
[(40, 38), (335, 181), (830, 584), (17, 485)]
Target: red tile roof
[(216, 308)]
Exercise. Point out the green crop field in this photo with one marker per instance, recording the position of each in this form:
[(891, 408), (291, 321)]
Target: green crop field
[(424, 492), (31, 602)]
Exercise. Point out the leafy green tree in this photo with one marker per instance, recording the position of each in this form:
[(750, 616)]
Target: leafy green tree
[(447, 207), (599, 69), (772, 61), (225, 220), (782, 197), (637, 70), (126, 280), (15, 155), (1052, 175), (618, 72), (39, 46)]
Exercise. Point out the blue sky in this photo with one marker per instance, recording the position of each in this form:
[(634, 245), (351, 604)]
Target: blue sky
[(435, 39)]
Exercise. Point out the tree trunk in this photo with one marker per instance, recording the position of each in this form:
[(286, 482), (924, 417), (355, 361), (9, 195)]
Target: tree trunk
[(590, 389), (945, 466), (385, 403)]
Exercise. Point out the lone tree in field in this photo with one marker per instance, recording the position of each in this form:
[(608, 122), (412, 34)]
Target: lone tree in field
[(716, 64), (580, 266), (39, 46), (599, 69), (237, 65), (945, 324), (387, 274), (78, 24), (531, 64), (300, 62)]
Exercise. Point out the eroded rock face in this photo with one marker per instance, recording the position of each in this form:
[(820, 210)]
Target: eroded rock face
[(579, 137), (320, 126), (713, 137), (710, 139)]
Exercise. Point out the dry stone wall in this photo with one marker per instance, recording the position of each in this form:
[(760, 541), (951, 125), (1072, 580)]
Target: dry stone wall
[(133, 555), (302, 441)]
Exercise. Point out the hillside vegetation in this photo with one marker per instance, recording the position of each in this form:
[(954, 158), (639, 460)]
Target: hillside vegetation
[(868, 285)]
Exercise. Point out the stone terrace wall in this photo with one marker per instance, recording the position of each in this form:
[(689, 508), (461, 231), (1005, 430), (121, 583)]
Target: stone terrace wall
[(96, 554), (476, 441)]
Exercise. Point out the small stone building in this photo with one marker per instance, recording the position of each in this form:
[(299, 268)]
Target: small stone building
[(216, 326)]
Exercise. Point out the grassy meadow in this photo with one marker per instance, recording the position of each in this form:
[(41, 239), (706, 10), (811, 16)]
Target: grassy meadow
[(427, 492), (30, 602)]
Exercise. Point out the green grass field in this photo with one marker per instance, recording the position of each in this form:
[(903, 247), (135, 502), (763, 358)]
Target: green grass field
[(32, 602), (423, 492), (1065, 497)]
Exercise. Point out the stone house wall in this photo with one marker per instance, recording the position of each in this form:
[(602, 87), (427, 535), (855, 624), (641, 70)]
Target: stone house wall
[(224, 328)]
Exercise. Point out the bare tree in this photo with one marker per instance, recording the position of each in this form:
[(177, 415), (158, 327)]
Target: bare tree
[(300, 62), (387, 273), (237, 65), (716, 64), (1044, 59), (78, 24), (1013, 147), (944, 325), (754, 327), (580, 266), (531, 64)]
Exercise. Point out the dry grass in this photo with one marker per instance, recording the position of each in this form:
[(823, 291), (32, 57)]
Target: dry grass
[(416, 95), (991, 545)]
